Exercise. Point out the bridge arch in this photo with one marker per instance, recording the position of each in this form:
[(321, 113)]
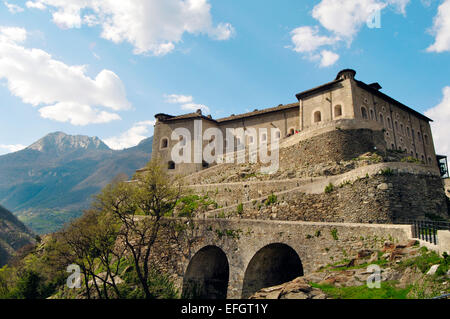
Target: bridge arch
[(272, 265), (207, 275)]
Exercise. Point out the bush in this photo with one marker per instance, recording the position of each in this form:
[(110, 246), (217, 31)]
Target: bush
[(329, 188), (272, 199)]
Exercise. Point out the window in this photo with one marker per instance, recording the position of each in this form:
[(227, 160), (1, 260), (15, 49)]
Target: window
[(250, 139), (408, 132), (381, 119), (396, 126), (364, 113), (402, 128), (372, 115), (264, 137), (164, 143), (389, 122), (171, 165), (317, 117), (278, 135), (429, 160), (419, 136), (425, 137), (338, 110)]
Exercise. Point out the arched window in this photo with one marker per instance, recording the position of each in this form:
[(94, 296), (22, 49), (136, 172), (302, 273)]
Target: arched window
[(389, 122), (419, 136), (381, 119), (364, 112), (408, 132), (317, 117), (396, 126), (337, 110), (425, 137), (277, 135), (264, 137), (171, 165), (164, 143), (429, 160), (372, 115)]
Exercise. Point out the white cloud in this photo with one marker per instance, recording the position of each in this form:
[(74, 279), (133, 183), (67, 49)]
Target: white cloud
[(328, 58), (441, 29), (35, 5), (178, 99), (186, 102), (345, 17), (10, 148), (132, 137), (306, 39), (195, 107), (400, 5), (440, 127), (65, 93), (342, 20), (151, 26), (13, 8)]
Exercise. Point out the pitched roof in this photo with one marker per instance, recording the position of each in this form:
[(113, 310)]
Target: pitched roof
[(317, 89), (258, 112), (390, 99)]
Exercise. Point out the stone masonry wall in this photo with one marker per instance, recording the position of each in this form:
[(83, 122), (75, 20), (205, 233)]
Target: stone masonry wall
[(384, 198), (315, 243)]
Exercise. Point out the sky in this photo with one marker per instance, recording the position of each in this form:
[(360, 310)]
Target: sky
[(105, 67)]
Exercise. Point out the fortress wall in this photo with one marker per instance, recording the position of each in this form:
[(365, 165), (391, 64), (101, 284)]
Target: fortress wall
[(317, 244), (374, 199), (333, 145)]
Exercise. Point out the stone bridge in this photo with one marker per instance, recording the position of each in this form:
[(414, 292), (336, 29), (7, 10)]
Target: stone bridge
[(235, 257)]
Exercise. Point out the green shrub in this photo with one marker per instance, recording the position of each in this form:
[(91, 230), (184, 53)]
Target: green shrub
[(334, 234), (329, 188), (271, 199), (240, 208)]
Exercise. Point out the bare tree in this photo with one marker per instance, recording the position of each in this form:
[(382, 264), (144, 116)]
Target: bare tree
[(140, 206)]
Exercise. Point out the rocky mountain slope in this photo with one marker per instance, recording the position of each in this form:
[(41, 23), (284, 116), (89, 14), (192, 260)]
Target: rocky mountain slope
[(13, 235), (53, 180)]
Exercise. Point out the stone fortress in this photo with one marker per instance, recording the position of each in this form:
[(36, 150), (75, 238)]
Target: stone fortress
[(344, 102), (352, 161), (375, 155)]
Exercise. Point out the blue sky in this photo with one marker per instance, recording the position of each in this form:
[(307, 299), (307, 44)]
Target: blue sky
[(149, 56)]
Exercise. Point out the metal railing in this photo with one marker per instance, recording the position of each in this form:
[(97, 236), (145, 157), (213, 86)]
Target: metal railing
[(426, 230)]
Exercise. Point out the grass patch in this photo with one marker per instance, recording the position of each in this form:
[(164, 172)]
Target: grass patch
[(387, 291)]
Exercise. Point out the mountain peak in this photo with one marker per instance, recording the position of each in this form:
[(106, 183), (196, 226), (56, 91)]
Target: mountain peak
[(61, 142)]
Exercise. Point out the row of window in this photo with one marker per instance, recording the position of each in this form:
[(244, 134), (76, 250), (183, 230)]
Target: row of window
[(165, 141)]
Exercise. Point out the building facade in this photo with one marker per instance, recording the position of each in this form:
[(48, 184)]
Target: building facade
[(343, 100)]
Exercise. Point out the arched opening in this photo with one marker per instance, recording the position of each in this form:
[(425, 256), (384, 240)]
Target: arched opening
[(337, 110), (171, 165), (381, 119), (207, 275), (317, 117), (164, 143), (364, 113), (272, 265)]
